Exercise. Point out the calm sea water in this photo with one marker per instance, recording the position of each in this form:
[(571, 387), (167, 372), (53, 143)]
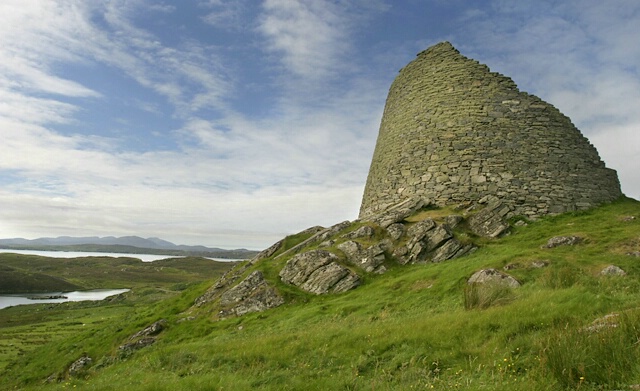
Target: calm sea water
[(78, 254), (28, 298)]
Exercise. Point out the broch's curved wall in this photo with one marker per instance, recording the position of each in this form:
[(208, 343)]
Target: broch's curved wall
[(453, 132)]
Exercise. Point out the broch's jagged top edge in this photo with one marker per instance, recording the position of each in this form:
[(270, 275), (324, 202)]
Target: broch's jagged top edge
[(453, 132)]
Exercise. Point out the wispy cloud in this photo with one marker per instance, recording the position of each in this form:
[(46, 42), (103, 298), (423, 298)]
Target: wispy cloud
[(308, 36), (226, 14)]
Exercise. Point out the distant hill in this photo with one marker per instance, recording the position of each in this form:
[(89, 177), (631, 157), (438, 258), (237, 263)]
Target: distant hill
[(124, 244)]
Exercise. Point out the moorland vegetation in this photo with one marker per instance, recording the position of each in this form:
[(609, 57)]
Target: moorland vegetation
[(420, 326)]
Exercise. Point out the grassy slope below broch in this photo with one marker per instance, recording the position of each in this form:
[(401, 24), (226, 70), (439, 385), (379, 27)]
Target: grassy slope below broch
[(413, 327)]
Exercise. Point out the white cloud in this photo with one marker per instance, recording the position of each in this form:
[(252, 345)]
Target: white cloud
[(308, 35), (226, 14)]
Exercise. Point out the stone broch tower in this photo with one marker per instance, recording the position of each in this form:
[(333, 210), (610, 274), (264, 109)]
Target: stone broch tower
[(454, 132)]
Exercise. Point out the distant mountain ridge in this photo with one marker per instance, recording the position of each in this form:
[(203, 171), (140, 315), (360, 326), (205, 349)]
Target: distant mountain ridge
[(122, 244)]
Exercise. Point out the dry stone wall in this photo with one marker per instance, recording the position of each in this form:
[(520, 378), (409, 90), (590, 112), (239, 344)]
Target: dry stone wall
[(453, 132)]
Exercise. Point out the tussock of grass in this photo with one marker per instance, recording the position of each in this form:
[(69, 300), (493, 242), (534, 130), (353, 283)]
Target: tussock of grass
[(605, 356), (482, 296)]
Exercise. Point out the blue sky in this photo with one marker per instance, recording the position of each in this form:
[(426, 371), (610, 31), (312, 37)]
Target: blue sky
[(234, 123)]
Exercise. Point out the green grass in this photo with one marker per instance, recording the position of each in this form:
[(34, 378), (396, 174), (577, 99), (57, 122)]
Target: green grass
[(406, 329), (31, 273)]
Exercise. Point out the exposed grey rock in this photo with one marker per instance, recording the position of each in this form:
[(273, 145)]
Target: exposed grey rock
[(562, 241), (298, 269), (222, 284), (362, 232), (253, 294), (609, 321), (318, 237), (437, 237), (490, 221), (80, 365), (395, 231), (327, 243), (142, 338), (539, 264), (613, 270), (453, 220), (317, 271), (419, 230), (277, 245), (493, 276), (401, 255), (350, 248), (324, 278), (398, 212), (128, 348), (154, 329), (452, 248), (634, 254), (628, 218), (429, 241), (266, 253), (367, 259), (426, 236), (350, 281)]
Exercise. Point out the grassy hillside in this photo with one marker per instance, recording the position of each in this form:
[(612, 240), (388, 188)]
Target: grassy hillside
[(415, 327), (31, 273)]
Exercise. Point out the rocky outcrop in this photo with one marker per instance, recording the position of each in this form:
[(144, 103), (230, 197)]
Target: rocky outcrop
[(385, 216), (268, 252), (429, 241), (153, 329), (320, 236), (253, 294), (142, 338), (80, 365), (318, 271), (491, 221), (370, 259), (127, 349), (225, 282), (364, 232)]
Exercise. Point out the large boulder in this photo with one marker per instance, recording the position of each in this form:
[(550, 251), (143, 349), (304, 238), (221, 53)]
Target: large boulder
[(253, 294), (318, 271), (493, 277)]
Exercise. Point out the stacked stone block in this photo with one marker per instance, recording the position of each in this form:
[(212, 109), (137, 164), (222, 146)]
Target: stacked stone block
[(454, 132)]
